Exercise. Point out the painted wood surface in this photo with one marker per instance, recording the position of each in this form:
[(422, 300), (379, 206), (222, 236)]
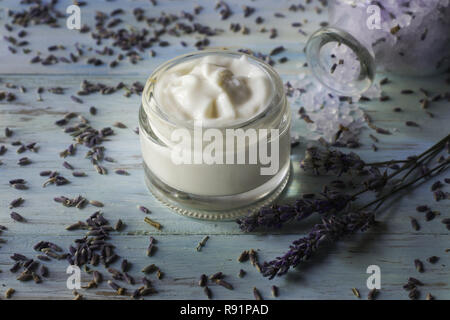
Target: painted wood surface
[(393, 245)]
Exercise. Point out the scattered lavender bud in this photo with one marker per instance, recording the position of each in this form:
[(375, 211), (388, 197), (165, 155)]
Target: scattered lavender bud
[(372, 294), (144, 209), (203, 280), (415, 224), (17, 217), (8, 132), (419, 265), (433, 259), (257, 294), (275, 291)]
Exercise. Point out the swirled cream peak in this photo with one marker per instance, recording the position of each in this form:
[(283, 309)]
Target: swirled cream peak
[(216, 89)]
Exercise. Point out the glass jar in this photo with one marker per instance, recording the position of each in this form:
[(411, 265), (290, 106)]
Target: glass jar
[(210, 189), (405, 37)]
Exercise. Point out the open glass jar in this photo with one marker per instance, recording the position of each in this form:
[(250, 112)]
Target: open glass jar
[(406, 37), (207, 189)]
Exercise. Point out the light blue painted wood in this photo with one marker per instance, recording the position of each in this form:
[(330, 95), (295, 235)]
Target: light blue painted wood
[(393, 246)]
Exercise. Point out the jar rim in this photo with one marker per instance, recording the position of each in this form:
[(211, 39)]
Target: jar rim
[(277, 97)]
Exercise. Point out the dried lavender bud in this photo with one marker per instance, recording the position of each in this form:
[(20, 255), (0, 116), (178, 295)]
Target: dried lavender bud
[(119, 225), (256, 294), (78, 174), (372, 294), (440, 195), (215, 276), (18, 257), (276, 50), (113, 285), (241, 273), (419, 265), (356, 293), (67, 165), (414, 294), (202, 243), (121, 172), (144, 209), (150, 268), (275, 291), (17, 217), (437, 185), (422, 208), (430, 215), (43, 258), (415, 224), (36, 278), (19, 186), (9, 293), (224, 284), (253, 256), (97, 277), (76, 99), (24, 161), (44, 271), (25, 276), (153, 223), (125, 265), (16, 203), (243, 256), (203, 280), (128, 278), (119, 125), (96, 203), (207, 292), (415, 281), (17, 265), (8, 132), (433, 259)]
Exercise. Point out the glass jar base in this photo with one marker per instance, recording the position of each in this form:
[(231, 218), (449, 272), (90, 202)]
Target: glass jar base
[(217, 207)]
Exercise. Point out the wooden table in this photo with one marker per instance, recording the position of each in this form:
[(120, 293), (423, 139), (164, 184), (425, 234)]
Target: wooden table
[(392, 246)]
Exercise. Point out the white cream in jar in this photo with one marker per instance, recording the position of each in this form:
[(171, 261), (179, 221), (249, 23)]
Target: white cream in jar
[(218, 90), (223, 91)]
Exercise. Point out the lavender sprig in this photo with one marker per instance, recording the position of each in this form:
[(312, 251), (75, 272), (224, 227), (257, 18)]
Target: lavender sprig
[(332, 228), (349, 220), (275, 216), (335, 227), (331, 202)]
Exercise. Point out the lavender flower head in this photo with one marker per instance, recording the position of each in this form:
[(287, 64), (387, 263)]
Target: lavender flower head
[(325, 160), (332, 228), (275, 216)]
